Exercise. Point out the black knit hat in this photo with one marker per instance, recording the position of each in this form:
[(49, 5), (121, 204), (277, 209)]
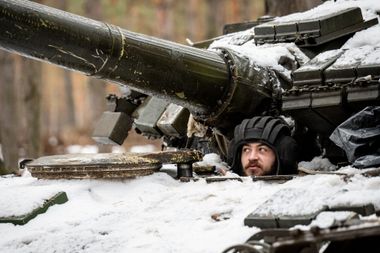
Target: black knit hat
[(275, 133)]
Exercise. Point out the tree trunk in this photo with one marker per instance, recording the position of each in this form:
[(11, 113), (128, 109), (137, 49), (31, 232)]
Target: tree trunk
[(164, 19), (9, 114), (235, 12), (284, 7), (2, 167), (246, 12), (30, 93), (96, 87), (194, 21), (215, 18), (28, 83), (67, 81)]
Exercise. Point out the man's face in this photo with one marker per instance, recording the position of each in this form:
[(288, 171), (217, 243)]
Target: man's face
[(257, 159)]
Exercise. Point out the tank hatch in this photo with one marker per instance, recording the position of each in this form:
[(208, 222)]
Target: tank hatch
[(108, 165)]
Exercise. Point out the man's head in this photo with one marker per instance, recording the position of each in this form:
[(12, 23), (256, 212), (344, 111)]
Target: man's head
[(262, 146)]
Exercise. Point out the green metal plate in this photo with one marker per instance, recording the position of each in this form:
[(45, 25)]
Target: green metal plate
[(58, 198), (314, 31)]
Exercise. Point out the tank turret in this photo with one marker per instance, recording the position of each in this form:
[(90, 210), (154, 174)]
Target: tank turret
[(297, 65)]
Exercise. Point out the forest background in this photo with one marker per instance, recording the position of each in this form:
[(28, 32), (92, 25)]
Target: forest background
[(45, 108)]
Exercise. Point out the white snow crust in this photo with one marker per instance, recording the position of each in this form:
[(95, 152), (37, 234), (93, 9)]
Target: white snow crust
[(157, 213), (87, 149), (318, 163), (267, 55)]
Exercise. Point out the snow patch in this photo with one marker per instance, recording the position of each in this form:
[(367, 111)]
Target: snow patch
[(267, 55), (159, 214), (17, 201), (79, 149), (318, 163), (328, 219), (213, 159), (143, 148), (118, 149), (367, 37)]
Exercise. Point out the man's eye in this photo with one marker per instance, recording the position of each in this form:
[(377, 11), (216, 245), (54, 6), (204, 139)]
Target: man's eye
[(263, 149), (245, 150)]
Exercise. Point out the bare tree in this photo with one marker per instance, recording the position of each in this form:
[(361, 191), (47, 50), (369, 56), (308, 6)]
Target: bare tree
[(284, 7), (20, 97), (164, 18), (246, 10), (96, 87), (1, 153), (235, 11), (28, 82), (29, 88), (68, 82), (215, 20), (196, 29), (9, 114)]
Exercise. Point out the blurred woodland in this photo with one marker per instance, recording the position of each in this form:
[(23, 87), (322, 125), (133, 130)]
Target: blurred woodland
[(45, 108)]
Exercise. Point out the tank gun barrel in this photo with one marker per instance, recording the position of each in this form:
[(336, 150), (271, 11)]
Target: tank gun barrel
[(219, 87), (191, 77)]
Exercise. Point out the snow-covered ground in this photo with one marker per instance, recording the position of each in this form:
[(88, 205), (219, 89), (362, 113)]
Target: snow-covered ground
[(157, 213), (1, 153)]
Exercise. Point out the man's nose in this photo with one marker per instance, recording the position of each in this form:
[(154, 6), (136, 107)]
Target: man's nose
[(253, 155)]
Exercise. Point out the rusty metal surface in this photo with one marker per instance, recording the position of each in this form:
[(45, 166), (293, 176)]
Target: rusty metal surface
[(107, 165), (204, 169), (95, 160), (274, 178), (95, 173), (222, 179), (175, 157), (80, 166)]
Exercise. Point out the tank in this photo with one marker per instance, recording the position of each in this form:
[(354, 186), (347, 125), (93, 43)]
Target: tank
[(211, 85), (193, 78), (215, 83), (315, 69)]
